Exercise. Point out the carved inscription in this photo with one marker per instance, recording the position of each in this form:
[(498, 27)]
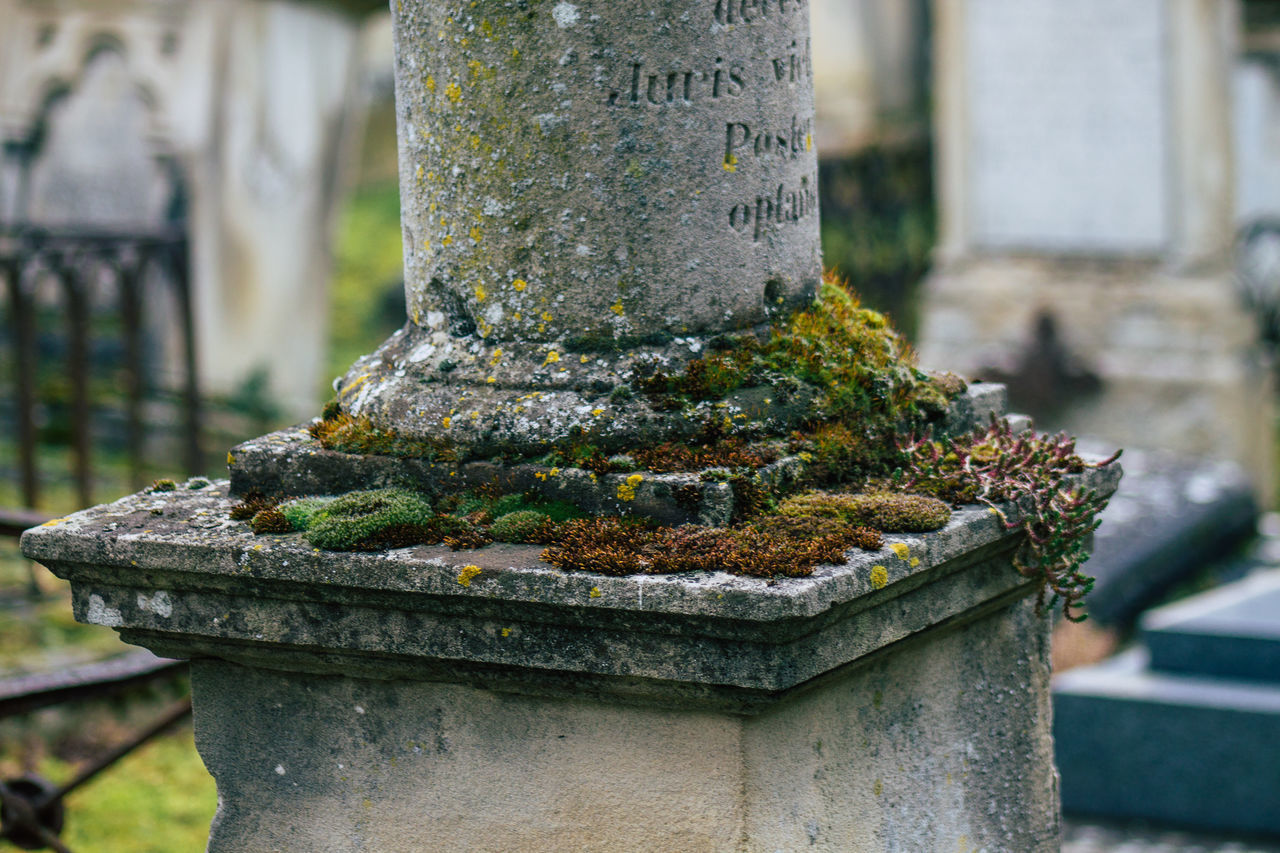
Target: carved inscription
[(680, 86), (740, 140), (643, 86), (749, 11), (782, 206)]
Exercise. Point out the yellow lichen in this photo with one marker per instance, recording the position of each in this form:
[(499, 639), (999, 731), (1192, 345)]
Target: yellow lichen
[(468, 574), (595, 592), (453, 92), (901, 549), (879, 577), (552, 358), (506, 632), (519, 284), (431, 84), (627, 489), (446, 421), (481, 294), (617, 308)]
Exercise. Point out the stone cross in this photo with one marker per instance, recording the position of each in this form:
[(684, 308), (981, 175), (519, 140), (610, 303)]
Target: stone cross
[(581, 185)]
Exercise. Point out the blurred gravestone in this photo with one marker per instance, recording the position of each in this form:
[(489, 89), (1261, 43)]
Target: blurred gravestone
[(1085, 174)]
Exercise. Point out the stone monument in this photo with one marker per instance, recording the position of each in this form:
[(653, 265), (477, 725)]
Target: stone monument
[(590, 188), (1085, 173)]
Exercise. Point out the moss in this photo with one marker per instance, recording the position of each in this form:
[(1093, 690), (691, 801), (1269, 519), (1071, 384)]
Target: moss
[(357, 434), (250, 505), (885, 511), (163, 485), (468, 539), (198, 483), (367, 520), (523, 526), (301, 512), (616, 546), (270, 520), (723, 453)]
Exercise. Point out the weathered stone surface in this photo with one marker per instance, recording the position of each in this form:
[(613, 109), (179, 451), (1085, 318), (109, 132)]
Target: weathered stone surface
[(173, 573), (938, 745), (639, 167), (578, 179), (290, 462)]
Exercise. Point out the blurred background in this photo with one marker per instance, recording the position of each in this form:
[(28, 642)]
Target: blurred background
[(199, 230)]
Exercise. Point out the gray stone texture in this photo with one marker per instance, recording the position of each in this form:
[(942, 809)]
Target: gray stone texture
[(290, 462), (598, 151), (938, 745), (578, 178)]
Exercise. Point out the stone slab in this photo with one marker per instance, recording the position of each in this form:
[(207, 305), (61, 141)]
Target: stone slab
[(1200, 752), (1068, 116), (1232, 632), (170, 571), (1171, 516)]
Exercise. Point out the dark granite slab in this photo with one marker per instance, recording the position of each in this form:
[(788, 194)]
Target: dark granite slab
[(1232, 632)]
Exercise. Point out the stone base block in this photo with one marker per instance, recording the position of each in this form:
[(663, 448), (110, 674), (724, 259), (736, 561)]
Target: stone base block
[(1191, 751), (937, 745)]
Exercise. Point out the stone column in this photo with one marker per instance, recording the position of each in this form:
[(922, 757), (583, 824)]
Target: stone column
[(582, 185), (1085, 171)]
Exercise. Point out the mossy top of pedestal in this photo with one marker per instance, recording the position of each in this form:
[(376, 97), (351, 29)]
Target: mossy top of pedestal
[(171, 572)]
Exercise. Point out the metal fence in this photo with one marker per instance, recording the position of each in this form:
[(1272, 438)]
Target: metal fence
[(88, 275)]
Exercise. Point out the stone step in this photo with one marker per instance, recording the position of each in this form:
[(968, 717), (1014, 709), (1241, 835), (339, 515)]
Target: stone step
[(1190, 751), (1232, 632)]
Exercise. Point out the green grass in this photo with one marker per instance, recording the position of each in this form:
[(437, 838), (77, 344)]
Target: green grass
[(365, 305), (159, 799)]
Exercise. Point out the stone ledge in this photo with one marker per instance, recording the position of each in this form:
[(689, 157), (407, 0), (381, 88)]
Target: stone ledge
[(290, 462), (171, 572)]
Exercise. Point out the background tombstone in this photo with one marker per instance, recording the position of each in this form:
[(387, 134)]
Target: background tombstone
[(1085, 172), (255, 104)]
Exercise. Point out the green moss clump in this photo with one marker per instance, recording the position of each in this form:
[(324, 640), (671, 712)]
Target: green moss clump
[(163, 485), (198, 483), (523, 526), (301, 512), (270, 520), (372, 520)]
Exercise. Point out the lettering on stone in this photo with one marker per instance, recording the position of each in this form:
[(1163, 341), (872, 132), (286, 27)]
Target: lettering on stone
[(782, 206), (750, 11), (740, 140), (725, 80), (644, 85)]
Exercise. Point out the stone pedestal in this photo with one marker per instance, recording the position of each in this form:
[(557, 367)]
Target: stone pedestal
[(406, 701)]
